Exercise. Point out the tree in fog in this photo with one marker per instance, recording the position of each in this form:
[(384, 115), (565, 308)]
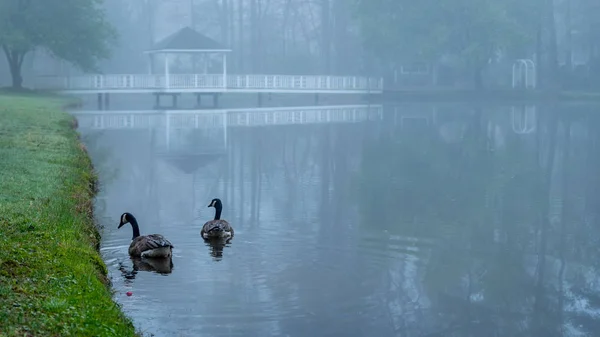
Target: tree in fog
[(474, 32), (72, 30)]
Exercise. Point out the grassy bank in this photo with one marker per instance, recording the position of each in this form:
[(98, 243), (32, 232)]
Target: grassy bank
[(52, 279)]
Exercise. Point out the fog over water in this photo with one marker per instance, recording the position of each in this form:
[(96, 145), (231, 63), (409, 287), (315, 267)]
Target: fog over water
[(409, 220)]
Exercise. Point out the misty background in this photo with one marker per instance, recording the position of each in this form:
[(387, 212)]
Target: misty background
[(427, 43)]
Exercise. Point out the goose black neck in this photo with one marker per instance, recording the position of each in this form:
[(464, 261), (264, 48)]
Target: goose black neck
[(218, 209), (136, 228)]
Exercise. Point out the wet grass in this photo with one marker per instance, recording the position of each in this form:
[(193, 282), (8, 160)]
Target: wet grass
[(52, 279)]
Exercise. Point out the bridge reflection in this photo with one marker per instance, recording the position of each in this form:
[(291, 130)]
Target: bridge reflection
[(203, 119), (521, 119)]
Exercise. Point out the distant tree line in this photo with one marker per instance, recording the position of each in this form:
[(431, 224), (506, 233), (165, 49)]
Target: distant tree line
[(266, 36), (563, 36), (374, 37), (460, 39)]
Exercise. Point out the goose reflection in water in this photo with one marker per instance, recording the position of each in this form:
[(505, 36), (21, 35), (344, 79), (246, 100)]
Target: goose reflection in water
[(216, 246), (162, 266)]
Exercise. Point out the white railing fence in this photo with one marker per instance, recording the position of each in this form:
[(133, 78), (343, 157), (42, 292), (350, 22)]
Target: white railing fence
[(210, 81)]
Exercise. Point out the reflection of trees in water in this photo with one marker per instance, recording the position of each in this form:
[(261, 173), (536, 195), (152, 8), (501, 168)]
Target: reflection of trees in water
[(126, 174), (511, 253), (101, 152), (293, 164), (106, 167), (295, 178)]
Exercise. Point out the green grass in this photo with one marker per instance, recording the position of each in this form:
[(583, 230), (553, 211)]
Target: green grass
[(52, 279)]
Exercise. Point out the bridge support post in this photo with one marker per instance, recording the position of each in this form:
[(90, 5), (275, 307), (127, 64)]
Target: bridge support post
[(103, 101), (106, 101), (215, 100), (100, 107), (198, 101), (174, 100), (174, 97), (156, 100)]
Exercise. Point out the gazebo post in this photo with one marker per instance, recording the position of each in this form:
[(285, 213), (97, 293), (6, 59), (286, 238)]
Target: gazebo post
[(167, 80), (224, 71), (150, 64)]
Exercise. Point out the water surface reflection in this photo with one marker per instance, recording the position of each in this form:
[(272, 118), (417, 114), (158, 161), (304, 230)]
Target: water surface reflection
[(423, 220)]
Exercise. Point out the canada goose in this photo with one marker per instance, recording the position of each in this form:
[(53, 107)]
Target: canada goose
[(153, 245), (217, 228)]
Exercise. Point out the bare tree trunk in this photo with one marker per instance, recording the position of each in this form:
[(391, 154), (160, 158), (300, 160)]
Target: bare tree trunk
[(241, 63), (15, 61), (326, 36), (253, 35), (259, 37), (224, 21), (285, 27), (341, 18), (552, 48), (231, 26), (150, 12), (569, 38)]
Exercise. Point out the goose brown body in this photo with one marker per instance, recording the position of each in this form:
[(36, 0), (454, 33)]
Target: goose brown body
[(217, 228), (152, 245)]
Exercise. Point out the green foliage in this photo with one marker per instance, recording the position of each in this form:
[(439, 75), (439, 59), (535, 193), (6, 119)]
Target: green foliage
[(52, 279), (474, 31), (73, 30)]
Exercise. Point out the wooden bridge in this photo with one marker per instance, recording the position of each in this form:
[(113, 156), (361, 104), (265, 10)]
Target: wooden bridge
[(209, 83), (212, 85)]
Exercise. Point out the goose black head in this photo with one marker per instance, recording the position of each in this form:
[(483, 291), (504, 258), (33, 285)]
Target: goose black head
[(216, 203), (125, 219)]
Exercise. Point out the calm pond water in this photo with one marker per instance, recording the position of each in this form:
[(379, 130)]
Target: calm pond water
[(413, 220)]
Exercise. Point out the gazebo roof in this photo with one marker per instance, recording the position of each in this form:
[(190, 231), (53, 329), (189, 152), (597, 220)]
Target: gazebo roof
[(187, 40)]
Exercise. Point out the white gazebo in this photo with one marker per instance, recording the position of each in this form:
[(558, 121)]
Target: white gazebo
[(187, 41)]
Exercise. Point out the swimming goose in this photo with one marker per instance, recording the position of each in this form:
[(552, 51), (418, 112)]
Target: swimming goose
[(152, 245), (217, 228)]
